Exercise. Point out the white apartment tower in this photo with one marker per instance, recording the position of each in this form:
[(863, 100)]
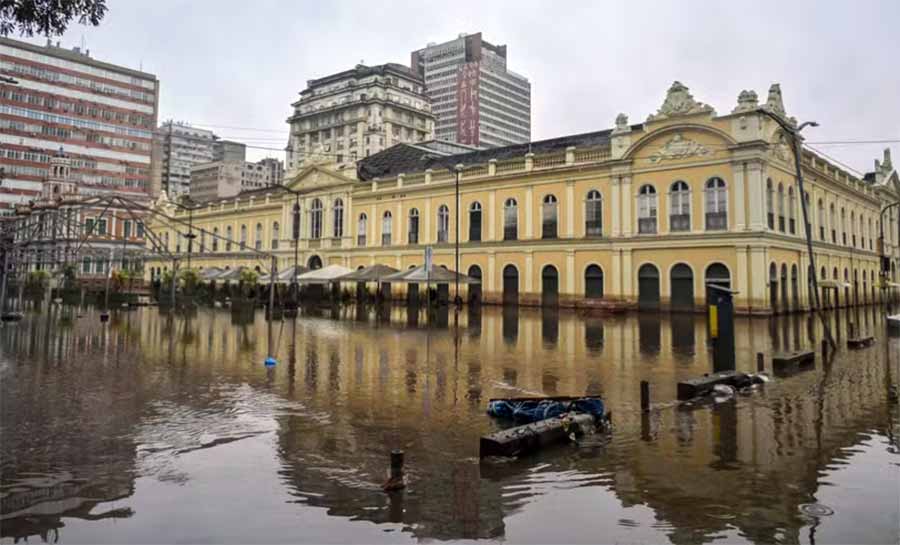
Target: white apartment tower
[(356, 113), (476, 100)]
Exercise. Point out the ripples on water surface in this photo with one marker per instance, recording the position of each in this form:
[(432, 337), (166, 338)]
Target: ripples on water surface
[(156, 428)]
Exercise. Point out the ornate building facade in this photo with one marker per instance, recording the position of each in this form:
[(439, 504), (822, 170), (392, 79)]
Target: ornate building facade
[(641, 215)]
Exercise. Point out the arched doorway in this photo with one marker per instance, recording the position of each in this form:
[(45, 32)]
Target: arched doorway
[(549, 286), (785, 302), (773, 287), (315, 262), (648, 287), (510, 285), (361, 291), (593, 282), (412, 292), (846, 287), (716, 274), (475, 289), (682, 288), (795, 288)]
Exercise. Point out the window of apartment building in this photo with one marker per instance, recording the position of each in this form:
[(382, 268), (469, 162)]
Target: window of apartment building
[(593, 214), (475, 222), (510, 220), (338, 218), (716, 204), (315, 219), (550, 217), (647, 209), (413, 234), (443, 221), (126, 229), (101, 226), (680, 207)]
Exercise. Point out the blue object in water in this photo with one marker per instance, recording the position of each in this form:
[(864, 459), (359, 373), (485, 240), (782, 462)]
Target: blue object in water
[(535, 410), (270, 361)]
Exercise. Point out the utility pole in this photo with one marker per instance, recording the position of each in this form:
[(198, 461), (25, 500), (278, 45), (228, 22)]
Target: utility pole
[(458, 169), (794, 132)]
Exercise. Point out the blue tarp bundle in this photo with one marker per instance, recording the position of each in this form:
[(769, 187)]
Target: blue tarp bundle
[(534, 410)]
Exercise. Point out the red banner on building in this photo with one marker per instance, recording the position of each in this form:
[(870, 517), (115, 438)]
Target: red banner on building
[(467, 79)]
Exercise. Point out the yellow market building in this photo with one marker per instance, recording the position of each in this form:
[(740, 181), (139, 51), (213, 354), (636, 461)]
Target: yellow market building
[(641, 215)]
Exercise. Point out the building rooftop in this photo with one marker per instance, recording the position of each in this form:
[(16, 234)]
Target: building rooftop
[(75, 56), (412, 158), (361, 71)]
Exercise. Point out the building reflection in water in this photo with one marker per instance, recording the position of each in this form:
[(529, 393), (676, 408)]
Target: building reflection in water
[(387, 378)]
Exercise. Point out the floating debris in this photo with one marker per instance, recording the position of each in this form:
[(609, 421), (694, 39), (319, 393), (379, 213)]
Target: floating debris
[(816, 510)]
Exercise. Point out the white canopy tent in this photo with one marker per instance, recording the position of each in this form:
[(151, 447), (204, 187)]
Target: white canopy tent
[(325, 275)]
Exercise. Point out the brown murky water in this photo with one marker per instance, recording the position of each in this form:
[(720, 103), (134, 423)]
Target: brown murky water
[(165, 429)]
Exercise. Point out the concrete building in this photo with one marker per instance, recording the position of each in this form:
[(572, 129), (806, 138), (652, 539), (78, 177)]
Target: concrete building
[(227, 150), (101, 114), (475, 98), (181, 147), (357, 113), (637, 216), (232, 174)]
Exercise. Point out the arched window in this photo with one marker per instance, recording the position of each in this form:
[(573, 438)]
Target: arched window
[(593, 282), (276, 234), (475, 222), (716, 204), (338, 223), (361, 228), (413, 226), (510, 220), (178, 237), (593, 214), (229, 234), (647, 209), (853, 228), (680, 207), (443, 217), (871, 234), (792, 206), (315, 219), (259, 237), (215, 239), (202, 241), (243, 237), (781, 217), (822, 220), (832, 222), (386, 229), (86, 265), (770, 204), (550, 217)]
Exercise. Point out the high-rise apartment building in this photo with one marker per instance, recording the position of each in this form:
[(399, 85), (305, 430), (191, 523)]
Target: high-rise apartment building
[(229, 173), (476, 100), (181, 147), (356, 113), (102, 116)]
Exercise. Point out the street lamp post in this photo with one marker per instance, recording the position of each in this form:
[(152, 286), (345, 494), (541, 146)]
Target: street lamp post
[(794, 132), (458, 170), (881, 253)]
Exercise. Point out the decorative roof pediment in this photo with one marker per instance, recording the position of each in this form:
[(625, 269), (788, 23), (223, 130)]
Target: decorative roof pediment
[(315, 177), (679, 147), (679, 101)]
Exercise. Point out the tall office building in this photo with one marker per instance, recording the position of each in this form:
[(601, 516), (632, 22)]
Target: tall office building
[(100, 115), (181, 147), (356, 113), (229, 173), (476, 100)]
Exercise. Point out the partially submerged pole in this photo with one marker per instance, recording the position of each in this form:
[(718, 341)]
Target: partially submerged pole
[(270, 359), (5, 280), (174, 281)]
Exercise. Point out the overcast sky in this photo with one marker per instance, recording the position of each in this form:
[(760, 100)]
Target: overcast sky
[(239, 63)]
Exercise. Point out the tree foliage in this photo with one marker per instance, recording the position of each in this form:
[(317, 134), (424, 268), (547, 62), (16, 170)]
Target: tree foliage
[(48, 17)]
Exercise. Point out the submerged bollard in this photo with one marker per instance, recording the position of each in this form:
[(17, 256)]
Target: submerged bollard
[(645, 396), (760, 362), (824, 350), (395, 481)]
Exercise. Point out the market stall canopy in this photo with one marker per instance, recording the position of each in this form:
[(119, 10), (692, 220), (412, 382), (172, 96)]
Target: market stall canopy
[(373, 273), (435, 275), (893, 284), (324, 275), (834, 284), (211, 273), (232, 275), (286, 276)]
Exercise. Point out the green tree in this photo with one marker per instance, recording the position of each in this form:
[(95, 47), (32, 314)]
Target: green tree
[(48, 17)]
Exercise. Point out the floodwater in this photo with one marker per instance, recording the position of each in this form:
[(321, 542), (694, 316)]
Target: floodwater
[(160, 429)]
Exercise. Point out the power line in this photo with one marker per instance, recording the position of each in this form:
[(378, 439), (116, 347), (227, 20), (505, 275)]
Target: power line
[(848, 142)]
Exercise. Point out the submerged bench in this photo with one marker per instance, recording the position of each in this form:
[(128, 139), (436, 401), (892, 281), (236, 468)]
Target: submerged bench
[(695, 387), (787, 363), (860, 342), (531, 437)]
